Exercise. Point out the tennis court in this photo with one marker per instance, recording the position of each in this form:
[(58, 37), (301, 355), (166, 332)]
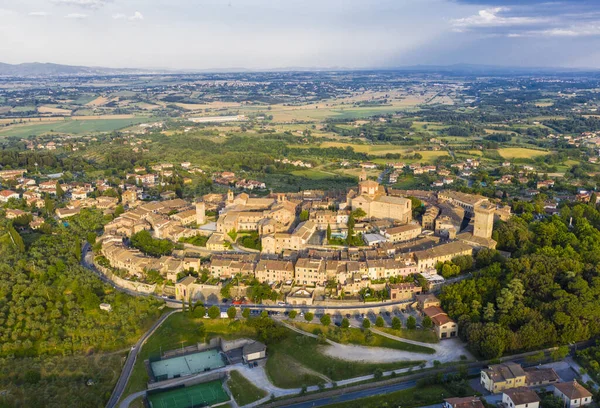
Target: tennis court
[(190, 364), (201, 395)]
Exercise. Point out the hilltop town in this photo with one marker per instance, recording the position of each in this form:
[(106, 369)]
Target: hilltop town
[(271, 239)]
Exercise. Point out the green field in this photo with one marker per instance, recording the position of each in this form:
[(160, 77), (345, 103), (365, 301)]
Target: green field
[(312, 174), (205, 394), (243, 391), (71, 127), (353, 335), (305, 351), (424, 336)]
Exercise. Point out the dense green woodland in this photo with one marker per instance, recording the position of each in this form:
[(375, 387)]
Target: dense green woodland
[(50, 317), (547, 293)]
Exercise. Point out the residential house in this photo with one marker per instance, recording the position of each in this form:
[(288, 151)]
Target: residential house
[(443, 325), (403, 291), (6, 195), (572, 394), (466, 402), (520, 397), (500, 377)]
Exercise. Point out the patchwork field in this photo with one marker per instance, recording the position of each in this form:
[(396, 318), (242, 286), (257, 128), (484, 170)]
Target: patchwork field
[(53, 111), (73, 126), (520, 153)]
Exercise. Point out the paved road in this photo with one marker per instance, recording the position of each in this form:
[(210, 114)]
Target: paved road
[(131, 359), (351, 396), (87, 262)]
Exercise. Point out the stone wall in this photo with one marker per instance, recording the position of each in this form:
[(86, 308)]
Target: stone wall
[(127, 284)]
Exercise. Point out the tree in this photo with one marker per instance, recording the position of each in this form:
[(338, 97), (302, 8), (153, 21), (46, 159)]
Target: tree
[(119, 210), (489, 312), (246, 313), (60, 193), (328, 232), (396, 323), (326, 320), (345, 323), (232, 312), (379, 322), (366, 324), (292, 314), (308, 316), (560, 353), (214, 312), (304, 215), (378, 373), (427, 323), (32, 376), (199, 310), (264, 314), (358, 213), (411, 323)]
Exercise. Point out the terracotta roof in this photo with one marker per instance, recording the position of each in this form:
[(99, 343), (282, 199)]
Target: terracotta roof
[(539, 375), (504, 371), (573, 390), (522, 395), (466, 402)]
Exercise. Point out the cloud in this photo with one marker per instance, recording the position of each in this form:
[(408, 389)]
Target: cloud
[(39, 13), (495, 17), (136, 16), (76, 16), (578, 30), (83, 3)]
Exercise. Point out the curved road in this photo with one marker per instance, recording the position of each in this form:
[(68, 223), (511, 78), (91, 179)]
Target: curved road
[(131, 359), (87, 262)]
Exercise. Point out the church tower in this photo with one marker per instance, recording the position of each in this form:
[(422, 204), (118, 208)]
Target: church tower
[(229, 197)]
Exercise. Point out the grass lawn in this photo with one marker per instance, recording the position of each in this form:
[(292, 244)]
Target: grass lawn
[(71, 126), (305, 351), (177, 329), (424, 336), (412, 397), (353, 335), (520, 153), (243, 391), (312, 174), (286, 372)]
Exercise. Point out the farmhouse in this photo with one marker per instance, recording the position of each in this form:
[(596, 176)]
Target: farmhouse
[(572, 394)]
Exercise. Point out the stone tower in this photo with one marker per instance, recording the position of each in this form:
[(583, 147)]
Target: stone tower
[(363, 176), (200, 212), (484, 220), (229, 197)]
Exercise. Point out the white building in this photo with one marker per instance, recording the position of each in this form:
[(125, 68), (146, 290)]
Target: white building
[(572, 394)]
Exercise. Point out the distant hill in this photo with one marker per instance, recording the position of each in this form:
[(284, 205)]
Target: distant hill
[(37, 69)]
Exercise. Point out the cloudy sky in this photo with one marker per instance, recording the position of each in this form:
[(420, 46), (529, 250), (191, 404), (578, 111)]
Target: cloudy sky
[(210, 34)]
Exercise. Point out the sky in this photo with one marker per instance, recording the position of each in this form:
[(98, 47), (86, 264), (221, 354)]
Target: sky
[(267, 34)]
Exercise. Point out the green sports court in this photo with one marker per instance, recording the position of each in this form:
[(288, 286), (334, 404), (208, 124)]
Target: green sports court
[(201, 395), (186, 365)]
